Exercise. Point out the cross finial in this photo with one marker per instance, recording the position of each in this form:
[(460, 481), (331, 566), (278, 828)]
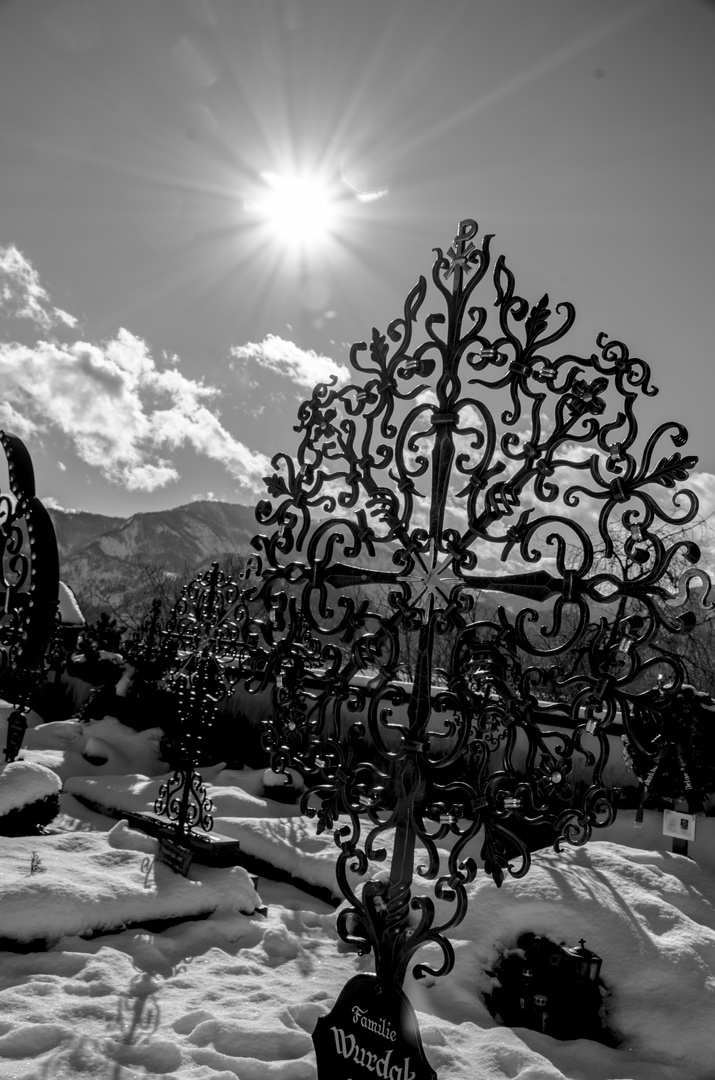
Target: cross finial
[(460, 254)]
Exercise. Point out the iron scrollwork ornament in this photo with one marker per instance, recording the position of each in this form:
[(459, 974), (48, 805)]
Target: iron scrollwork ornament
[(448, 538)]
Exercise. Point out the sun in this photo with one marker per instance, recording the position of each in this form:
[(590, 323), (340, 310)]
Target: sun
[(301, 210)]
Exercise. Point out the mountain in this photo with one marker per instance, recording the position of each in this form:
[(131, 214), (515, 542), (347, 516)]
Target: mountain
[(117, 564), (191, 534)]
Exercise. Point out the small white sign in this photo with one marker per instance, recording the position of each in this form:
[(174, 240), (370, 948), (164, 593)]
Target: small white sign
[(678, 824)]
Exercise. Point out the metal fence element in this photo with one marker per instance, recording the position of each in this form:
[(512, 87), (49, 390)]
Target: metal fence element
[(407, 531), (29, 580)]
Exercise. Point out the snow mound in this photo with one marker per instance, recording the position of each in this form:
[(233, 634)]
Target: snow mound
[(25, 782), (104, 747), (81, 883), (126, 839), (650, 915), (233, 792), (186, 1002)]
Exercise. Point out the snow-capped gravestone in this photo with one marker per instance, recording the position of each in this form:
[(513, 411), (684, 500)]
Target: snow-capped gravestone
[(371, 1031), (29, 798)]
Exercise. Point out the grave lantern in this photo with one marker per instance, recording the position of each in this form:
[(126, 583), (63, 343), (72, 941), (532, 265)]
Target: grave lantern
[(548, 987), (586, 963)]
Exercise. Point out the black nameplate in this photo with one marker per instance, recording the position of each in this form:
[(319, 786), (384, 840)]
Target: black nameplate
[(173, 855), (371, 1031)]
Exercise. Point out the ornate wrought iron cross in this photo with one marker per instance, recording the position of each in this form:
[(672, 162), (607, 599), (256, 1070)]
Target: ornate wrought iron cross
[(406, 531), (199, 638)]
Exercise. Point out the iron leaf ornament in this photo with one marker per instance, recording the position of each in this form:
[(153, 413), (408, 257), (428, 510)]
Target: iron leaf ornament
[(472, 512)]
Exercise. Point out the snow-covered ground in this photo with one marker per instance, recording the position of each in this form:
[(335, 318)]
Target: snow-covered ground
[(235, 987)]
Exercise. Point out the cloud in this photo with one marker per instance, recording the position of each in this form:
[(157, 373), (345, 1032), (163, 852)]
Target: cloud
[(14, 421), (51, 503), (23, 297), (199, 427), (149, 477), (302, 366), (120, 412)]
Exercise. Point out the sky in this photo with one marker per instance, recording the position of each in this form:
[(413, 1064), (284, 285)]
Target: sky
[(164, 313)]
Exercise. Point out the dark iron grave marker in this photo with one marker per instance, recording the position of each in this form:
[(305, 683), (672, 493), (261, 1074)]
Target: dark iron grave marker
[(192, 651), (29, 588), (16, 728), (370, 1031)]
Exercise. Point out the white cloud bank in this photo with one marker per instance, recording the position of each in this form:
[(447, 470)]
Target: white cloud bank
[(302, 366), (122, 414), (23, 297)]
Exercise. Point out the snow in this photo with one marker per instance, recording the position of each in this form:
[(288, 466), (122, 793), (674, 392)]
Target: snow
[(23, 782), (237, 993), (79, 883), (234, 793), (650, 915), (70, 612), (270, 831), (114, 748)]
